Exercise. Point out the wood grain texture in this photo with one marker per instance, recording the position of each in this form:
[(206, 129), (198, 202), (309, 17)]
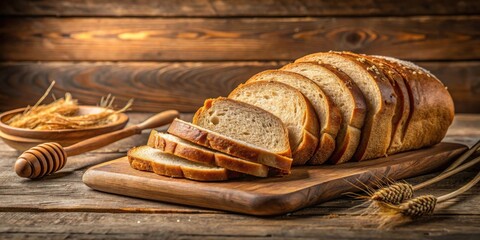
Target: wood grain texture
[(305, 186), (192, 39), (154, 86), (237, 8), (182, 86), (307, 225)]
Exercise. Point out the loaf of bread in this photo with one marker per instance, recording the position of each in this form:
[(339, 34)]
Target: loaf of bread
[(432, 108), (329, 107)]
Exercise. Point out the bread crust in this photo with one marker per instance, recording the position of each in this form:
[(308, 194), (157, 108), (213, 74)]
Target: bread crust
[(402, 112), (377, 128), (206, 156), (142, 164), (432, 108), (302, 152), (329, 123), (216, 141), (344, 152), (345, 141)]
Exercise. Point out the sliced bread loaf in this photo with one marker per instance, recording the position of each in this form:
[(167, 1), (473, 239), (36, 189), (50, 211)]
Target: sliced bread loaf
[(145, 158), (190, 151), (346, 96), (288, 104), (431, 107), (233, 146), (379, 95), (327, 112)]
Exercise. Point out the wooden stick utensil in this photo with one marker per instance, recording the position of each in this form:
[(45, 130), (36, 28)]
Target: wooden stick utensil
[(47, 158)]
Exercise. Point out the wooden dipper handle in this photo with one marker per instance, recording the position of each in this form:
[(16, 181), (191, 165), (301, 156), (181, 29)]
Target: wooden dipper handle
[(47, 158)]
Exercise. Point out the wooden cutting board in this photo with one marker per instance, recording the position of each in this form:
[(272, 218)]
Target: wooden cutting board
[(269, 196)]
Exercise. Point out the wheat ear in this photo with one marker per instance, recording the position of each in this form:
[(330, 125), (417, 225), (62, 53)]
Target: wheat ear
[(392, 215), (395, 193)]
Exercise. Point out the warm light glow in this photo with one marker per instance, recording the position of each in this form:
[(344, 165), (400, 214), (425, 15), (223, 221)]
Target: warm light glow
[(133, 36)]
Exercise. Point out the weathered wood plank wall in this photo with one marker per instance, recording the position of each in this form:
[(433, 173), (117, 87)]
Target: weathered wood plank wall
[(174, 54)]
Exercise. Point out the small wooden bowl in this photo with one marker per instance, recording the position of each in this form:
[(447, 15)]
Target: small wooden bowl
[(23, 144), (22, 138)]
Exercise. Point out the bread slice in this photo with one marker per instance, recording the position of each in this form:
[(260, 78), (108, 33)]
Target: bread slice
[(145, 158), (379, 95), (179, 147), (402, 109), (244, 122), (328, 114), (288, 104), (346, 95), (431, 107), (238, 148)]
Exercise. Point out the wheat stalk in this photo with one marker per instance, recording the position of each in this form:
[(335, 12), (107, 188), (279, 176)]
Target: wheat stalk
[(393, 201), (391, 215), (462, 158), (396, 193)]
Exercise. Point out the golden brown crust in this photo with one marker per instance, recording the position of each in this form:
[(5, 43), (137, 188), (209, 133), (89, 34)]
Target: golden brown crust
[(305, 149), (206, 156), (140, 164), (302, 152), (309, 143), (402, 112), (197, 174), (432, 108), (327, 146), (344, 152), (227, 145)]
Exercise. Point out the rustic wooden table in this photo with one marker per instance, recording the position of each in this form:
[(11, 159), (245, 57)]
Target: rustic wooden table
[(61, 206)]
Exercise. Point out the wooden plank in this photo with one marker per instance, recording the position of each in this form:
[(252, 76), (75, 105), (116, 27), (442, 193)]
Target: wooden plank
[(155, 86), (462, 80), (305, 186), (227, 226), (183, 86), (238, 8), (146, 39)]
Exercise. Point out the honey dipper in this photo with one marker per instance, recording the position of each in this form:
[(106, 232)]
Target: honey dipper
[(47, 158)]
